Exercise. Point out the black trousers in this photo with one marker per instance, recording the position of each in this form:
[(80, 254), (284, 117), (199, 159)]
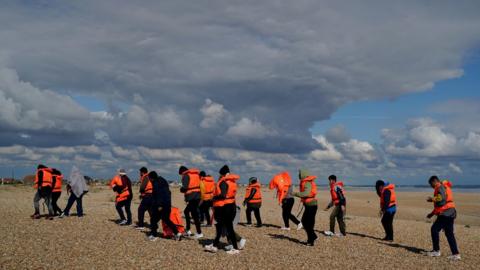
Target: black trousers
[(446, 224), (163, 215), (387, 223), (55, 197), (308, 221), (124, 204), (287, 205), (224, 217), (192, 211), (256, 212), (205, 211), (145, 205)]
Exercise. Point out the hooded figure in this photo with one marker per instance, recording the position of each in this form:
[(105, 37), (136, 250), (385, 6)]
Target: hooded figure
[(253, 201), (77, 187)]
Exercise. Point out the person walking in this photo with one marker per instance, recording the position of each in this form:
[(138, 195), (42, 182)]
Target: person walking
[(122, 186), (77, 188), (161, 206), (388, 207), (444, 209), (339, 203), (57, 177), (308, 192), (225, 210), (191, 189), (283, 183), (43, 185), (253, 201), (207, 187), (146, 190)]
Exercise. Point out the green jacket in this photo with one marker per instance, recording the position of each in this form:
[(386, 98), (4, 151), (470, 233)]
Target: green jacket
[(305, 193)]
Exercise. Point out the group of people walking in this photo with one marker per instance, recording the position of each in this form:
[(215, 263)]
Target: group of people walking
[(203, 195), (48, 184)]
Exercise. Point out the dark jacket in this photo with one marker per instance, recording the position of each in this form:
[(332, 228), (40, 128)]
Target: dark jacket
[(161, 195)]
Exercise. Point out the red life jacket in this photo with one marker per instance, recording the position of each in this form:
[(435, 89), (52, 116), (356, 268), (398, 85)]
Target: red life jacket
[(176, 218), (194, 180), (333, 192), (231, 181), (393, 196), (313, 191), (257, 197), (449, 200), (47, 178)]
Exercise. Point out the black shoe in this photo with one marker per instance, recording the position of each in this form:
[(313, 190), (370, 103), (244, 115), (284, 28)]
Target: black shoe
[(259, 225), (310, 244)]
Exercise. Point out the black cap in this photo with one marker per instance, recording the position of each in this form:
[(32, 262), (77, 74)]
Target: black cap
[(41, 166), (224, 170), (252, 180), (182, 169), (203, 174), (332, 177)]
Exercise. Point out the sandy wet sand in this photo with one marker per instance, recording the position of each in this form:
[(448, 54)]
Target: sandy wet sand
[(95, 242)]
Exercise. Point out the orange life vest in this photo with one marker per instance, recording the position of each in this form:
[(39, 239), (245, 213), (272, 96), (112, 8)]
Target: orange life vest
[(230, 180), (58, 183), (313, 191), (257, 197), (124, 194), (148, 187), (176, 218), (449, 200), (194, 180), (333, 192), (393, 196), (282, 183), (208, 188), (47, 178)]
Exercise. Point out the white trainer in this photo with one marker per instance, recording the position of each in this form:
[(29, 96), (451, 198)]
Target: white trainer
[(241, 243), (198, 235), (210, 248), (233, 252), (434, 253), (178, 236), (299, 226), (455, 257), (123, 222), (328, 233), (152, 238), (228, 248), (188, 233)]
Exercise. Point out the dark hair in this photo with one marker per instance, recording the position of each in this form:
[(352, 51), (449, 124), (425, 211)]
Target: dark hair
[(143, 170), (182, 169), (332, 177), (224, 170), (41, 166), (379, 184), (253, 180), (153, 175), (202, 174), (433, 178)]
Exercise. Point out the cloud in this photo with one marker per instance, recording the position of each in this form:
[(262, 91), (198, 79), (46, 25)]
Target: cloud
[(327, 153), (455, 168), (338, 134), (248, 128), (213, 114)]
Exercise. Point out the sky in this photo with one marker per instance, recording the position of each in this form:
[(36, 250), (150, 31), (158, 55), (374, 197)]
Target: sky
[(365, 91)]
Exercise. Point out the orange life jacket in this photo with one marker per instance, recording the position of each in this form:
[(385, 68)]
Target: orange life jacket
[(257, 197), (148, 187), (333, 192), (449, 200), (194, 180), (230, 180), (282, 183), (208, 188), (47, 178), (176, 218), (313, 191), (393, 196), (58, 183), (124, 194)]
